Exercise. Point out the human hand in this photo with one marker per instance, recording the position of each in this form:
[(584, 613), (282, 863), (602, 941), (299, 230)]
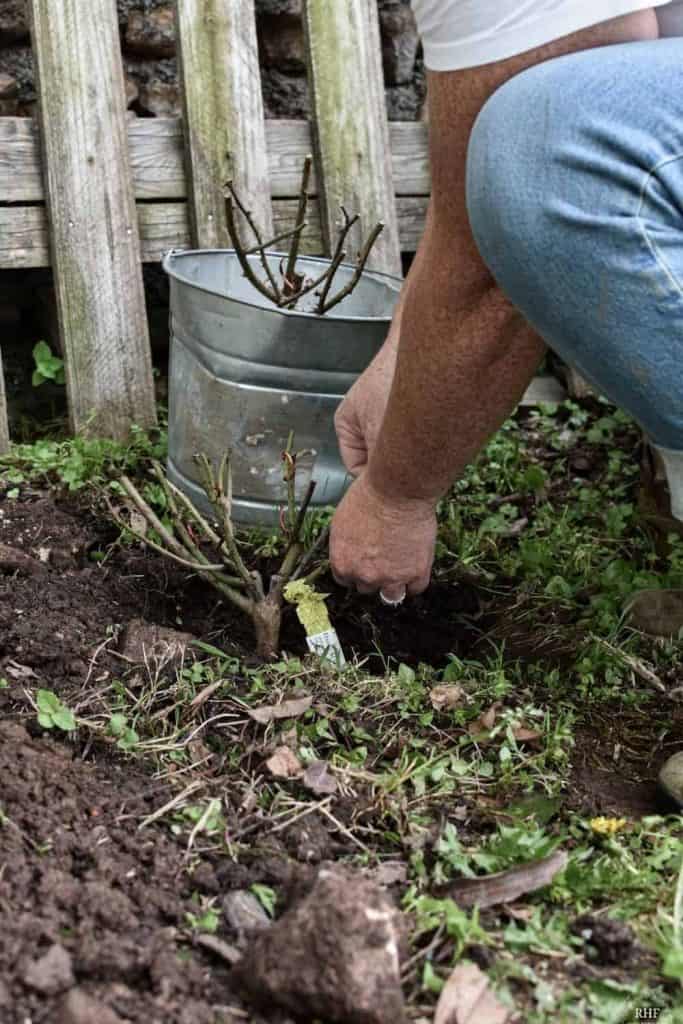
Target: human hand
[(359, 417), (382, 544)]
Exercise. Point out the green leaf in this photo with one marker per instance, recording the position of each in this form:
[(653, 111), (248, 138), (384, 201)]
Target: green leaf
[(431, 982), (41, 352), (673, 963), (45, 720), (117, 724), (64, 719), (406, 675), (48, 366), (128, 740), (266, 897), (539, 807), (47, 701)]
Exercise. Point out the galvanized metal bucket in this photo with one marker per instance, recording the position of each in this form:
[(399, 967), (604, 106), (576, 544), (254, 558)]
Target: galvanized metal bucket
[(243, 374)]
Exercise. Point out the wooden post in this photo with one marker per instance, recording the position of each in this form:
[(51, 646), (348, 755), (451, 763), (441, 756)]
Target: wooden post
[(4, 422), (224, 128), (350, 124), (93, 221)]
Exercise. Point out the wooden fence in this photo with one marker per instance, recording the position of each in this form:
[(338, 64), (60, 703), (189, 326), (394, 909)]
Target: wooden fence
[(94, 194)]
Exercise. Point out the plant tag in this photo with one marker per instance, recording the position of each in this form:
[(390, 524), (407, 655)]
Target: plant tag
[(326, 645)]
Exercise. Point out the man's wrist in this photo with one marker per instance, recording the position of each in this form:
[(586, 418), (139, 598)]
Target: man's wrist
[(389, 491)]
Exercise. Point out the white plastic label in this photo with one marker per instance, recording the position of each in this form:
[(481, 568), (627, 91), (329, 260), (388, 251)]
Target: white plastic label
[(326, 645)]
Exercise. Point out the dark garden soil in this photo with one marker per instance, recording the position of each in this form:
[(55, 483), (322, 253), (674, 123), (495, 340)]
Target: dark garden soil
[(91, 902), (54, 613)]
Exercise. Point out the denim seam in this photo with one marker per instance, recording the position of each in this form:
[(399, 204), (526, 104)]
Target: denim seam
[(652, 246)]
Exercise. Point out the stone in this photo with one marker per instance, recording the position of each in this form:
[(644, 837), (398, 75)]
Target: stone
[(162, 99), (143, 641), (77, 1007), (293, 7), (285, 95), (281, 41), (404, 102), (244, 913), (334, 955), (671, 778), (151, 33), (9, 87), (17, 62), (13, 21), (51, 973), (656, 612), (400, 43)]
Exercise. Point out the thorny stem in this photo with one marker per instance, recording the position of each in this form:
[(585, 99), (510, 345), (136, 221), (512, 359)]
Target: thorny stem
[(292, 280), (257, 235), (174, 549), (289, 459), (185, 534), (311, 554), (181, 545), (278, 238), (339, 256), (219, 493), (253, 279), (289, 303), (360, 267), (294, 286)]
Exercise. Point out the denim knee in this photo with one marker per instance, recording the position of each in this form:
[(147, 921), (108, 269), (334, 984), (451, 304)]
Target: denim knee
[(575, 199), (505, 180)]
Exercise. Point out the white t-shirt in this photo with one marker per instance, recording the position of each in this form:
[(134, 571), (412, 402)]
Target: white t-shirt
[(466, 33)]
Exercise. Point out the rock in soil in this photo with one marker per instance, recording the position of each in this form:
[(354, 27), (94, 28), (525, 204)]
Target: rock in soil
[(333, 955), (50, 973), (143, 642), (78, 1007), (671, 778), (244, 913), (656, 612)]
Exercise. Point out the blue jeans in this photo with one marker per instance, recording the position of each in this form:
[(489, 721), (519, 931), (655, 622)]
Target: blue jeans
[(575, 197)]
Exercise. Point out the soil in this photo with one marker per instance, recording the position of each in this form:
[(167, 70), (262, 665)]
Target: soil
[(89, 899), (54, 619), (77, 874)]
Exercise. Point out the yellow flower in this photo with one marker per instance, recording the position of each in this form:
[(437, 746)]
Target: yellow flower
[(607, 826)]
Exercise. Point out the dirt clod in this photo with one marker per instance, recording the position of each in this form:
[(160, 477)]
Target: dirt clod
[(13, 560), (334, 954), (608, 942)]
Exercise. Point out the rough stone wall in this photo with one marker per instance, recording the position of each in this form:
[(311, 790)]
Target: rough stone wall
[(149, 47)]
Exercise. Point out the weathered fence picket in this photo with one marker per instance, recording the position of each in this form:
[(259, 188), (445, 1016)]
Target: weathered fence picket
[(225, 130), (350, 124), (4, 421), (93, 224), (156, 147)]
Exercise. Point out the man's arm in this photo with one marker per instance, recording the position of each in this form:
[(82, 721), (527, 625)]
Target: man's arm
[(465, 356)]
